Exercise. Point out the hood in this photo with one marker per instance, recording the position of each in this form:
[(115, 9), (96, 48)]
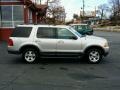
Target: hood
[(95, 38)]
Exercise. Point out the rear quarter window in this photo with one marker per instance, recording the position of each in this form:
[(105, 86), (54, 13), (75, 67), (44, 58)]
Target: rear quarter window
[(21, 32)]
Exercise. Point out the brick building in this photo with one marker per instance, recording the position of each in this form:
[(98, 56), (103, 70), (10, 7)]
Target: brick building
[(14, 12)]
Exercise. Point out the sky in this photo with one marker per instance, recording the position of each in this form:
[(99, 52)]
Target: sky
[(74, 6)]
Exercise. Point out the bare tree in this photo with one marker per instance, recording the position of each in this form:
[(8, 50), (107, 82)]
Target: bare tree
[(55, 11), (75, 16), (102, 9), (115, 8)]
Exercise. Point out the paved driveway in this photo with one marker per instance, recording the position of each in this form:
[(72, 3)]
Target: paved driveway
[(62, 74)]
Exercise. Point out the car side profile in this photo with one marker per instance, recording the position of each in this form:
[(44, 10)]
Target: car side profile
[(83, 29), (43, 41)]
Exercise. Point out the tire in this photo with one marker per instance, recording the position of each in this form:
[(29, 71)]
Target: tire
[(30, 55), (94, 56)]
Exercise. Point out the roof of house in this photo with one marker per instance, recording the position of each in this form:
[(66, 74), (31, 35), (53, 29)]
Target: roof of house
[(34, 6)]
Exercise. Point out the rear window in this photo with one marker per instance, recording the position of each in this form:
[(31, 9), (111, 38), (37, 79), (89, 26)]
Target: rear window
[(21, 32)]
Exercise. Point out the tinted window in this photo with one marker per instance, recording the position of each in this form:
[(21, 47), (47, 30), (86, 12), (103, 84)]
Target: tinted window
[(75, 27), (21, 32), (44, 32), (83, 27), (64, 34), (80, 27)]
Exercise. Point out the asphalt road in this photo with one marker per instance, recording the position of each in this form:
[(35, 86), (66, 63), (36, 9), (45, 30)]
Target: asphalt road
[(62, 74)]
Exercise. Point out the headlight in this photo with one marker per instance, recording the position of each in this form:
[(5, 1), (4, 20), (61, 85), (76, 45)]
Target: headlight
[(106, 44)]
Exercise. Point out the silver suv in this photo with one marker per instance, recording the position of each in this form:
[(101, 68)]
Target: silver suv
[(34, 41)]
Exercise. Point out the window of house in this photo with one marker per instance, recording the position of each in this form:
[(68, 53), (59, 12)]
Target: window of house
[(18, 17), (30, 16), (11, 15), (0, 20), (9, 0), (6, 18)]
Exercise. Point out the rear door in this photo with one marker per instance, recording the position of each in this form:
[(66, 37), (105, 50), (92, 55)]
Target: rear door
[(20, 36), (46, 39)]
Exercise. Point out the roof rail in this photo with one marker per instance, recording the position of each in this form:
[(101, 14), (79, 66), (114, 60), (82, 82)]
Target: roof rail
[(37, 24)]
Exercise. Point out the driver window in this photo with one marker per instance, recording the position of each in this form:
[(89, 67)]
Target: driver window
[(64, 34)]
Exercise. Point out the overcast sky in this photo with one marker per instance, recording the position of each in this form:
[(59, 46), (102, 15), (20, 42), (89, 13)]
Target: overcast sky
[(74, 6)]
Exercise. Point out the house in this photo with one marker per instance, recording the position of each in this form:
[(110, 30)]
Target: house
[(14, 12), (89, 17)]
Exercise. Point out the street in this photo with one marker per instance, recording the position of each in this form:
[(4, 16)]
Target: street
[(62, 74)]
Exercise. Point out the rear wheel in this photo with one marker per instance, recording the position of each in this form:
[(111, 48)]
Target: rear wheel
[(30, 55), (94, 55)]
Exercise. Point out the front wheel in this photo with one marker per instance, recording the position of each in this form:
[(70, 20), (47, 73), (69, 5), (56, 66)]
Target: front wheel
[(94, 56), (30, 55)]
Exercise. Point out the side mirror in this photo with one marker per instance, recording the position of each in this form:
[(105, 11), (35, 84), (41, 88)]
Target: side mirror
[(74, 38)]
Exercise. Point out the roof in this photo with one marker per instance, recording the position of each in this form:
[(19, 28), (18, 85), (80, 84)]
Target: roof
[(34, 6), (41, 6), (78, 24), (32, 25)]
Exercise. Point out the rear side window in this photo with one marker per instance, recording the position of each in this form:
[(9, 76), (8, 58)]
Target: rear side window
[(44, 32), (21, 32)]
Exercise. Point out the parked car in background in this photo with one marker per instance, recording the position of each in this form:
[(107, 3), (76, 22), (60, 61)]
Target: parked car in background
[(42, 41), (83, 29)]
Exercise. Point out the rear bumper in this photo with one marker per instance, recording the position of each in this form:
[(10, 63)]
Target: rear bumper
[(13, 52)]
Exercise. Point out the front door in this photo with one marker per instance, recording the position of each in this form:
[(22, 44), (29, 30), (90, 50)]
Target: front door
[(67, 41)]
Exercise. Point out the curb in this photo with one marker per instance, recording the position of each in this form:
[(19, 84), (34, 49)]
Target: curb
[(106, 29)]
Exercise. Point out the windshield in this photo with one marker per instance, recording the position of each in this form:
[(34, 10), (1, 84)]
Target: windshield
[(83, 27), (71, 28)]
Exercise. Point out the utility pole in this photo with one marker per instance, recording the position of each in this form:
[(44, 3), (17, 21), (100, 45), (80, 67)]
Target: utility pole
[(33, 1), (83, 8), (40, 2), (118, 7), (0, 15), (47, 2)]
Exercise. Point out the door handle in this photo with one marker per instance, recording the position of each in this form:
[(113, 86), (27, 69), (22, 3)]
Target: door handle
[(37, 41), (61, 42)]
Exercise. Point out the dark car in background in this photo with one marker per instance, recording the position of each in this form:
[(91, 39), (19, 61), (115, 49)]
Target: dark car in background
[(83, 29)]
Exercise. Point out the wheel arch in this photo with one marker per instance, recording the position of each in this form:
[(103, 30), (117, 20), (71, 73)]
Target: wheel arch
[(29, 46), (94, 46)]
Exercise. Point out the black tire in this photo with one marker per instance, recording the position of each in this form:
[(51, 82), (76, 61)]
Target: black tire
[(30, 55), (94, 56)]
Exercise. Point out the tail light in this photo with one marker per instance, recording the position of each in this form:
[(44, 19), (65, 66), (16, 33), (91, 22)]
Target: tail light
[(10, 42)]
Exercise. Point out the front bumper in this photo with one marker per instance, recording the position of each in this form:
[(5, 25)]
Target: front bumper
[(106, 51)]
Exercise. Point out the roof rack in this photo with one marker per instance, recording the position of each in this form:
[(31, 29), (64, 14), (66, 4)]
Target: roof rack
[(37, 24)]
